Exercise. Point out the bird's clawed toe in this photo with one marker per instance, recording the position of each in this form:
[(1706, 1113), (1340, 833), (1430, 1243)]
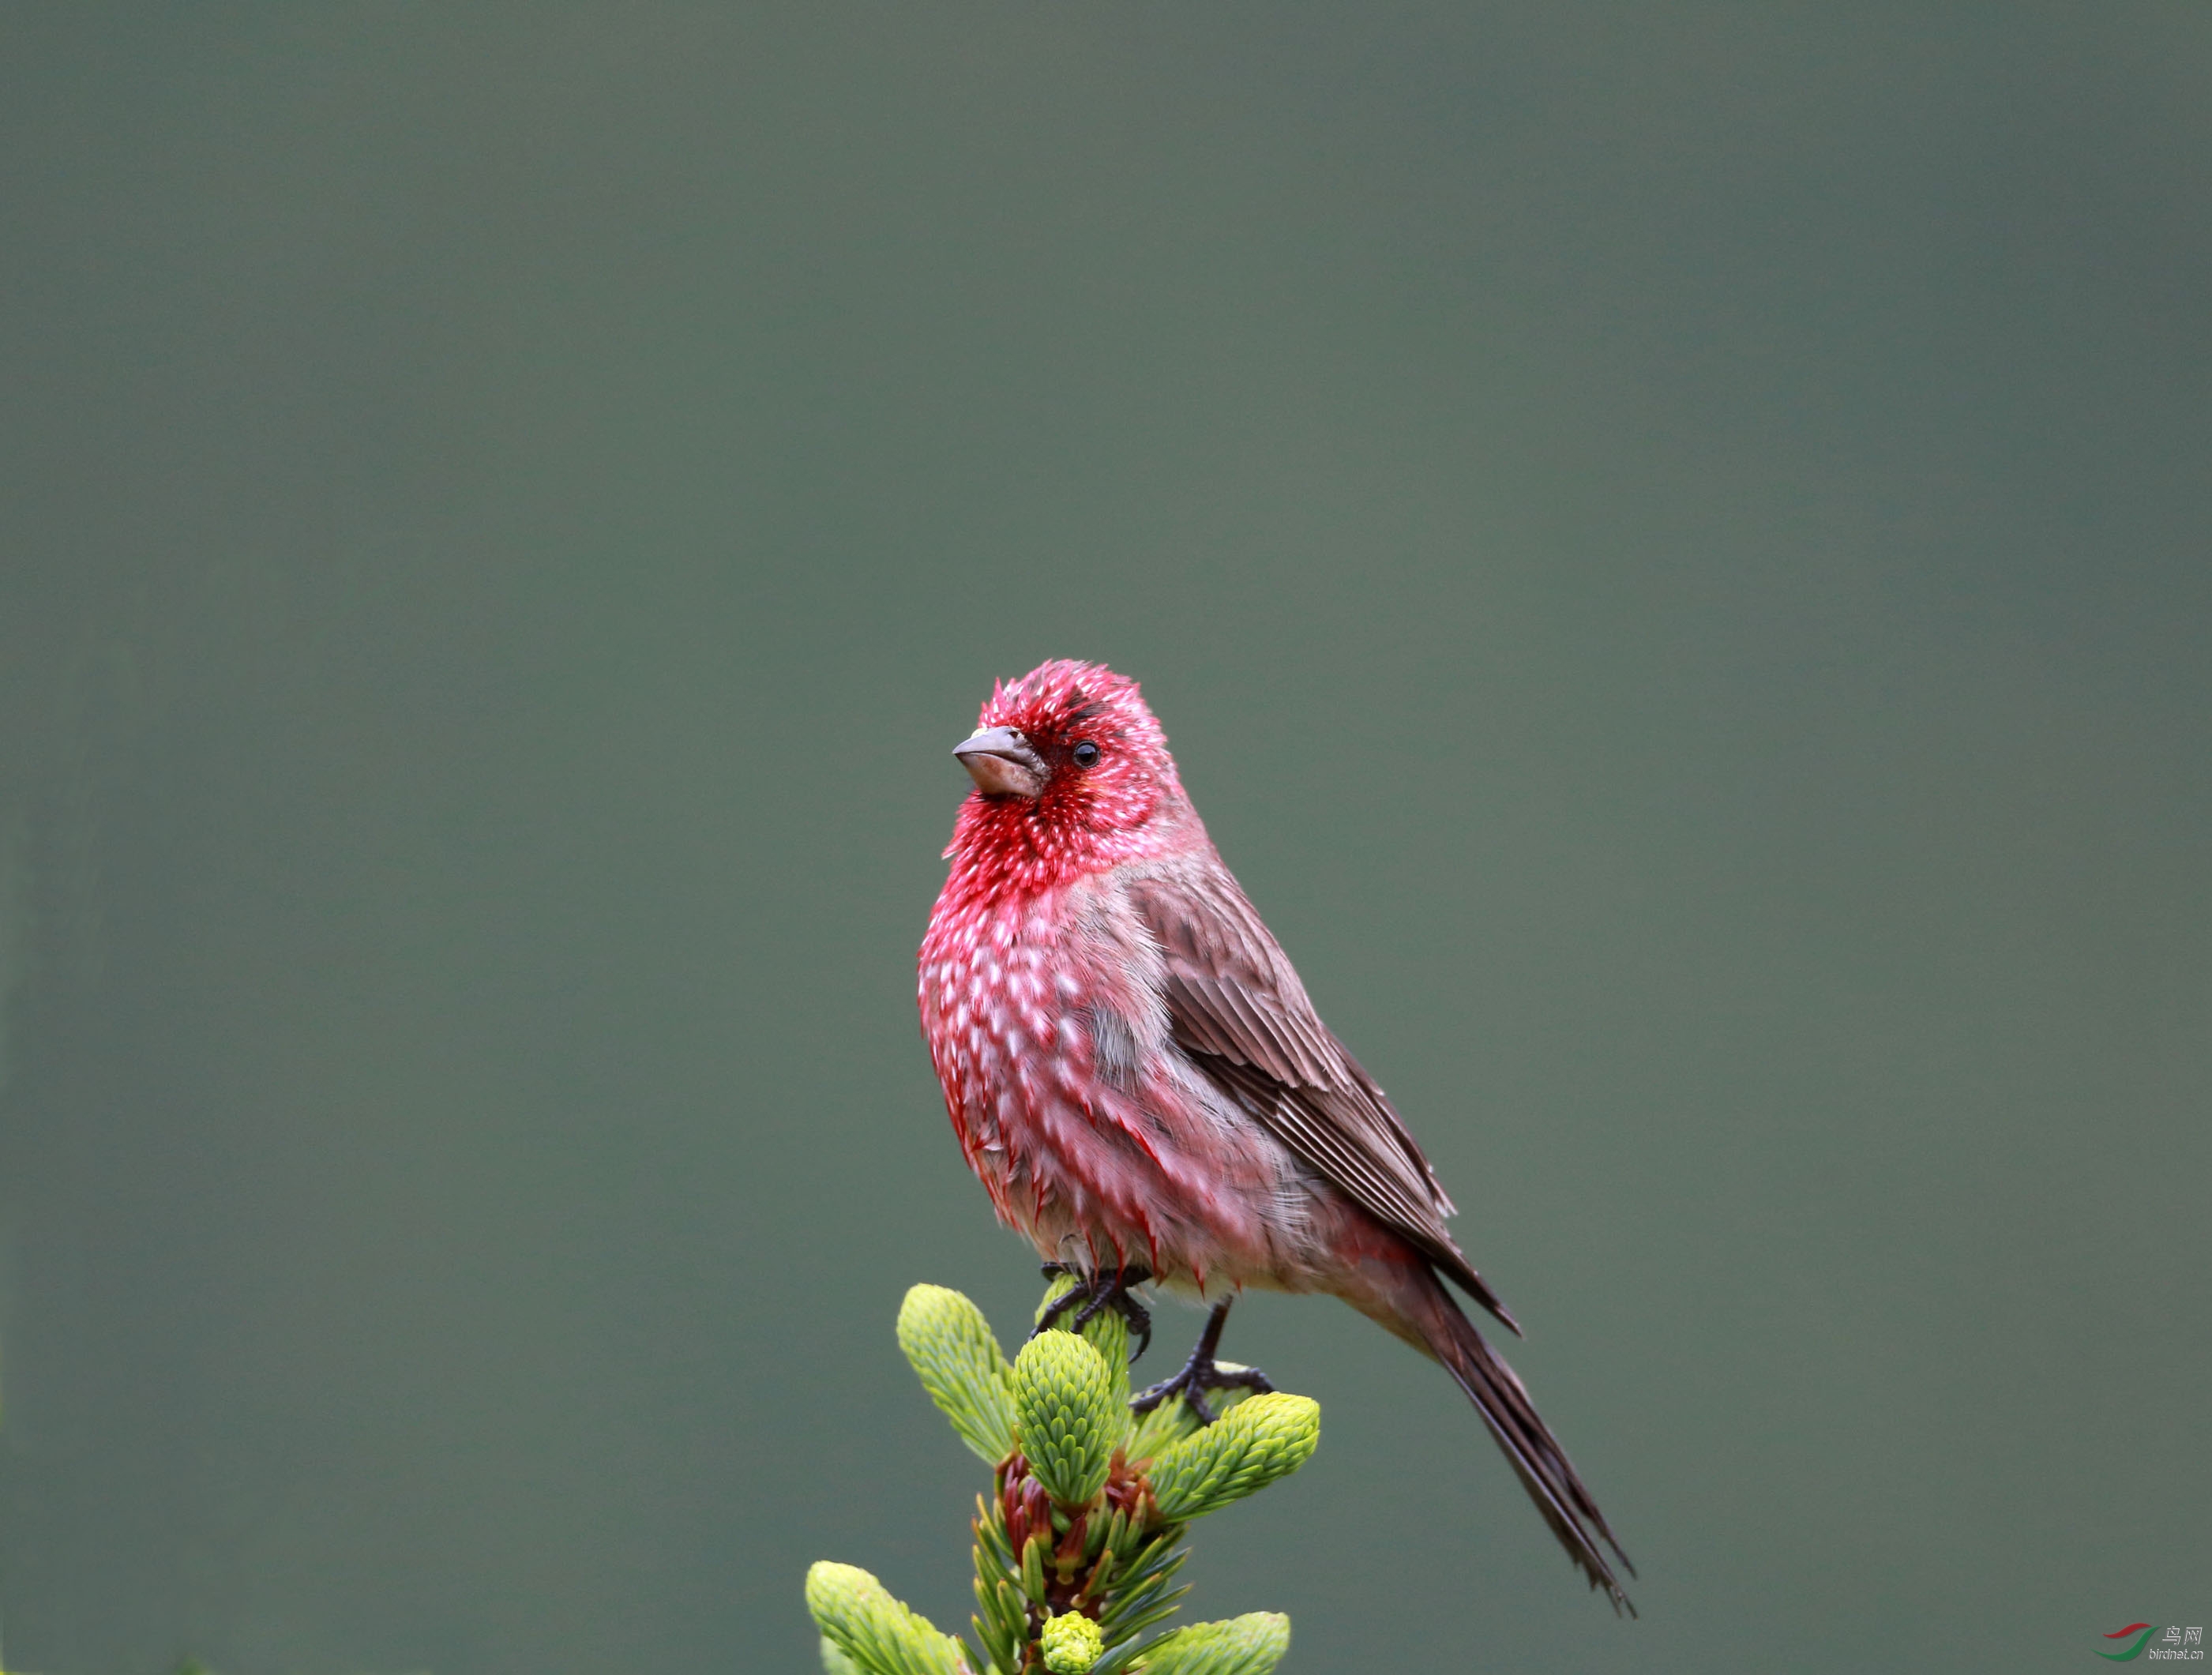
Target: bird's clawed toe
[(1200, 1373), (1096, 1291)]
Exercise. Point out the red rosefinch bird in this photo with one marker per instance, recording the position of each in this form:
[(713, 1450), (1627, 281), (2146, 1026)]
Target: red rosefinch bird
[(1137, 1079)]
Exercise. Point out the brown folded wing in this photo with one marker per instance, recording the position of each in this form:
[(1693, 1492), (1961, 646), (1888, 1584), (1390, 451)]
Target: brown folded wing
[(1236, 1007)]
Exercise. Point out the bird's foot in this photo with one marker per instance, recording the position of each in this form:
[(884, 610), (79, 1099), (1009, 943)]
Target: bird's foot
[(1094, 1292), (1201, 1374)]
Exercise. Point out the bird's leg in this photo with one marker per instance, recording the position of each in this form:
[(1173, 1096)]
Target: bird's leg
[(1097, 1290), (1200, 1374)]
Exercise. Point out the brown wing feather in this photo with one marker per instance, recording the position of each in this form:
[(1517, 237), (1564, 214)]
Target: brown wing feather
[(1235, 1005)]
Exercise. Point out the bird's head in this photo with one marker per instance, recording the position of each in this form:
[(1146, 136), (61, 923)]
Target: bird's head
[(1067, 762)]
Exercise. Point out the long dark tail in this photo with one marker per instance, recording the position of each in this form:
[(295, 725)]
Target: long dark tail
[(1534, 1454)]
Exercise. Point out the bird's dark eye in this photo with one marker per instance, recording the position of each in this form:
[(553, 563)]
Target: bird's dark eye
[(1084, 754)]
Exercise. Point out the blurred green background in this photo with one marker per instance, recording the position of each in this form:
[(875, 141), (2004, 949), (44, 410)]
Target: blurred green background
[(1671, 542)]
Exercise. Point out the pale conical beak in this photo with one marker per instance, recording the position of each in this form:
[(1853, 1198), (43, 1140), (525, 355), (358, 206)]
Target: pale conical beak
[(1001, 763)]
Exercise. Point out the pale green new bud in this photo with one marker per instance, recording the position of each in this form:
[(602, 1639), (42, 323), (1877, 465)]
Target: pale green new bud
[(961, 1365), (1071, 1643), (1246, 1448), (835, 1662), (1251, 1645), (858, 1616), (1068, 1417)]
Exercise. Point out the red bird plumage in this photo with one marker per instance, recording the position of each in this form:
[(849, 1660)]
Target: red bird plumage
[(1136, 1078)]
